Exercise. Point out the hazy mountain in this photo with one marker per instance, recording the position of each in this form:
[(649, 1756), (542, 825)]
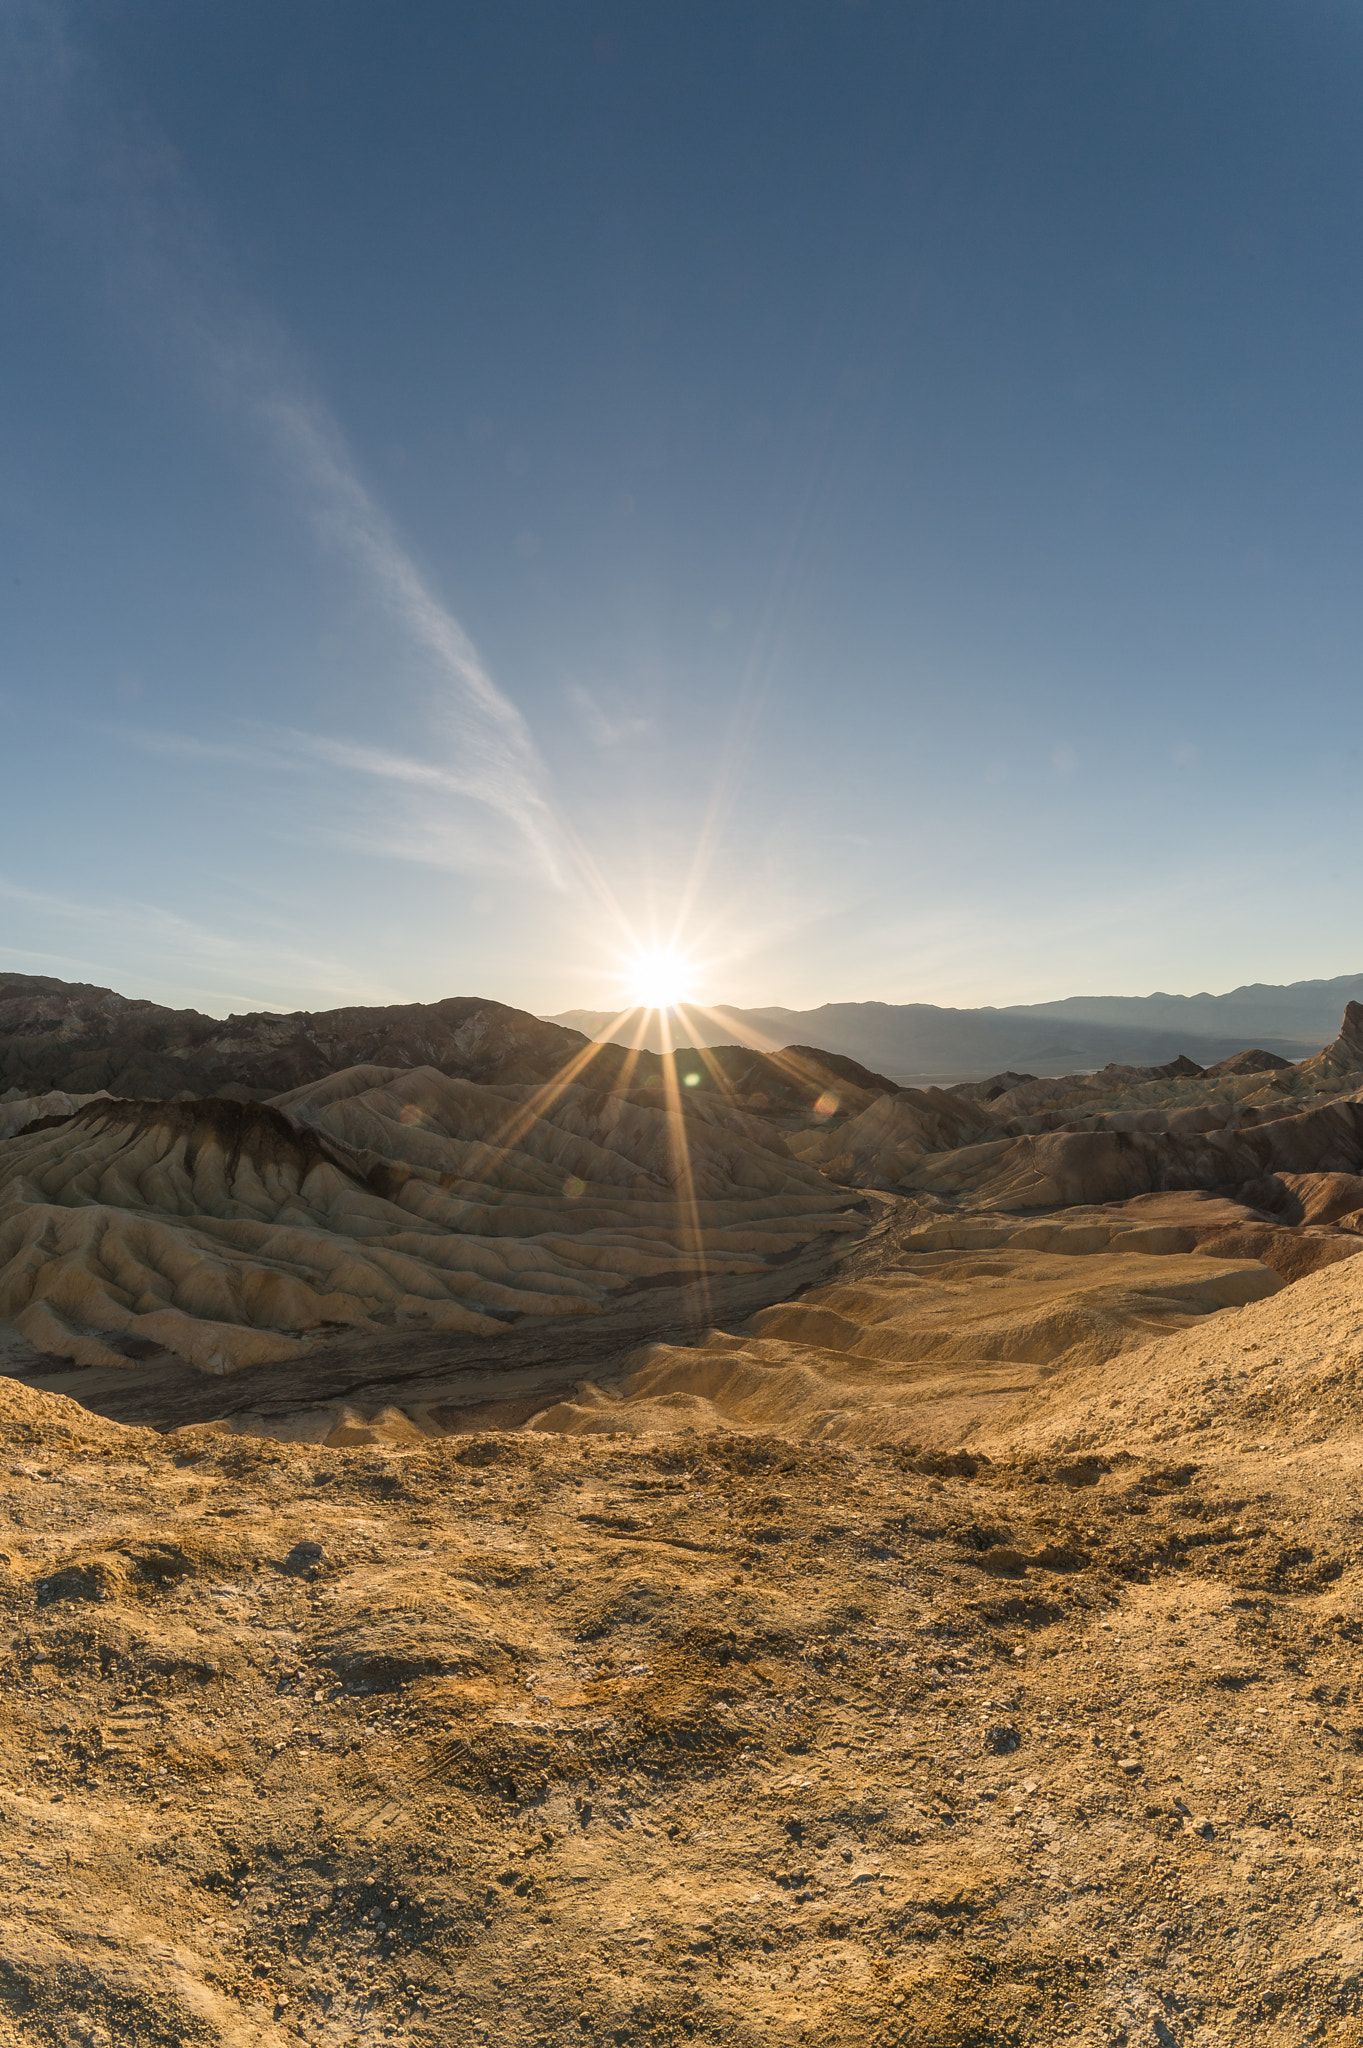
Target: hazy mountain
[(911, 1041), (1300, 1011)]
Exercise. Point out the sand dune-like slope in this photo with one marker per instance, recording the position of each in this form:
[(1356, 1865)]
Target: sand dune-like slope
[(1288, 1370), (230, 1234), (1301, 1223), (927, 1354)]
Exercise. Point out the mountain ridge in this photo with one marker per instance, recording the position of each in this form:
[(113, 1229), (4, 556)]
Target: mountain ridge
[(917, 1041)]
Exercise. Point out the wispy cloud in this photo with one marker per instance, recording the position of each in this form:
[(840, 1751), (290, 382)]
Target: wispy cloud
[(370, 798), (111, 927), (91, 165), (602, 729)]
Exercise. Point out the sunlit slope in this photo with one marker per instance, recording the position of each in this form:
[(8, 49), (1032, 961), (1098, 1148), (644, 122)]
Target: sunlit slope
[(233, 1233), (929, 1353)]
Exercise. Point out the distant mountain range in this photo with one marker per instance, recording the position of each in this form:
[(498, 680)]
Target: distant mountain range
[(73, 1037), (920, 1041)]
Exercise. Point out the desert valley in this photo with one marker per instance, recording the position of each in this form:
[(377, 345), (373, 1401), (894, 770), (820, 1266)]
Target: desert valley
[(522, 1540)]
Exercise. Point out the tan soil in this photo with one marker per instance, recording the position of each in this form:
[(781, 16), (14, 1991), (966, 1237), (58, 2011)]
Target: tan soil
[(702, 1738)]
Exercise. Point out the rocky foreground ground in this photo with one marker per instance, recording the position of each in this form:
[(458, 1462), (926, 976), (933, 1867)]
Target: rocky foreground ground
[(541, 1737)]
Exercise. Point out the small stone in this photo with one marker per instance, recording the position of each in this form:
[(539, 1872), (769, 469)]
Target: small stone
[(304, 1557), (1002, 1740), (1130, 1766)]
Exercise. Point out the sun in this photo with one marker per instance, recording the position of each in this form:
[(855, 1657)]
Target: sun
[(658, 981)]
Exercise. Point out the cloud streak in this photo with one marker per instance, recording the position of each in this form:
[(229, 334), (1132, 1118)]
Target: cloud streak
[(431, 824), (87, 163), (117, 923)]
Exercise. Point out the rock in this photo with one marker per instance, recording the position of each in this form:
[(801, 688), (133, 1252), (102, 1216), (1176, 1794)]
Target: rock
[(1344, 1055), (1002, 1740), (304, 1557)]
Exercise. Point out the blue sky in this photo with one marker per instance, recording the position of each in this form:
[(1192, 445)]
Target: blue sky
[(876, 483)]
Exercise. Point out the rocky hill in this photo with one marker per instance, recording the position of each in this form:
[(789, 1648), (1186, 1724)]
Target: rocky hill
[(69, 1035), (79, 1040)]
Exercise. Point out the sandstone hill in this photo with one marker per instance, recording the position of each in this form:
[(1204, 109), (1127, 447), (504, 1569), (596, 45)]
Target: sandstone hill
[(229, 1234), (1245, 1130), (233, 1234)]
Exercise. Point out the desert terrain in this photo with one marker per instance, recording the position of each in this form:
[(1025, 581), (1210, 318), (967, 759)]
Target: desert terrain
[(509, 1542)]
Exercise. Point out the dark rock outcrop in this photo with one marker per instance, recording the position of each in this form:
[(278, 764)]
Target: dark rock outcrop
[(81, 1039), (56, 1034), (990, 1090), (1254, 1060)]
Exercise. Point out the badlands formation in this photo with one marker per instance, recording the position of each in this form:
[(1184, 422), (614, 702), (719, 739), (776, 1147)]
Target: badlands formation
[(513, 1543)]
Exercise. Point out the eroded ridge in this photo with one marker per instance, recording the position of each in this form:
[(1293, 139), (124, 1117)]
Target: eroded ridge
[(232, 1234)]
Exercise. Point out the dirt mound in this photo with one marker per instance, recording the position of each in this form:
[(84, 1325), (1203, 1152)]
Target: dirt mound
[(1288, 1369)]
